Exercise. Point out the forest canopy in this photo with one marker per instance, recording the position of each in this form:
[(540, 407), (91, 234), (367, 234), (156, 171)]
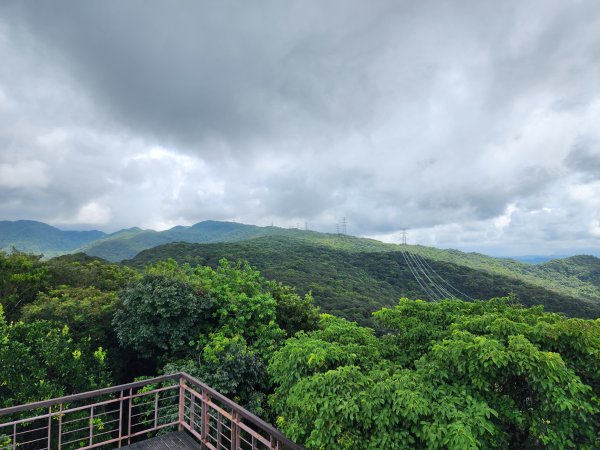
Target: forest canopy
[(452, 374)]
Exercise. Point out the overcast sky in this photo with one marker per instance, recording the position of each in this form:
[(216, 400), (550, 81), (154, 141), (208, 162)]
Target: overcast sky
[(475, 124)]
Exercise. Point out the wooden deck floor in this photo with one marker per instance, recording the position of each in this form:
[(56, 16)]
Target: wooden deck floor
[(177, 440)]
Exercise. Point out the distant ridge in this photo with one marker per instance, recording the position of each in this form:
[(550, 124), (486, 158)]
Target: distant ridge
[(536, 259), (40, 238), (125, 244)]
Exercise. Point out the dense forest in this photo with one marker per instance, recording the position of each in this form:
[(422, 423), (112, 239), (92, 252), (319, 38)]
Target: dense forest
[(351, 282), (453, 374)]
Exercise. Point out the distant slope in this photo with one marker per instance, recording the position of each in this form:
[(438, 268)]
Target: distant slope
[(352, 284), (37, 237), (556, 275), (585, 268), (126, 244)]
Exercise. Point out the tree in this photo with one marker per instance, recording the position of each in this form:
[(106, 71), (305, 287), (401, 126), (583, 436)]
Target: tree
[(21, 277), (87, 311), (41, 361), (161, 315), (228, 365), (80, 270), (294, 313), (446, 375)]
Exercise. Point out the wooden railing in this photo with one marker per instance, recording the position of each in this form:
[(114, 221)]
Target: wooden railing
[(119, 415)]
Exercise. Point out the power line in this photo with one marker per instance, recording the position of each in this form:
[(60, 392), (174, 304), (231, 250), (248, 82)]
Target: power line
[(432, 284), (439, 295), (441, 291), (426, 290), (443, 280)]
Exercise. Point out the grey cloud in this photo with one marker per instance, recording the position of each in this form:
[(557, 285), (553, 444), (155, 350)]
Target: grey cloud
[(584, 158), (432, 115)]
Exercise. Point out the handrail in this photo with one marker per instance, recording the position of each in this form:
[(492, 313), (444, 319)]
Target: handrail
[(243, 412), (239, 419), (88, 394)]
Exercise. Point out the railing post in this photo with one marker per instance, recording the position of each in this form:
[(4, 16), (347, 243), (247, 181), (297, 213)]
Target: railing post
[(274, 443), (219, 428), (14, 436), (60, 408), (129, 416), (49, 426), (192, 411), (91, 425), (181, 403), (204, 417), (120, 418), (235, 430), (155, 409)]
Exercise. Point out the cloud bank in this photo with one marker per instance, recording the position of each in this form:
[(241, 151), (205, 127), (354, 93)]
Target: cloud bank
[(474, 124)]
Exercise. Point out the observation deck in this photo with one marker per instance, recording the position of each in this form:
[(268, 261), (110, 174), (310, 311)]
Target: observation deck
[(169, 412)]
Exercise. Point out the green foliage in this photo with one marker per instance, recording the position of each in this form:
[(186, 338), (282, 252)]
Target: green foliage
[(159, 315), (228, 365), (486, 375), (230, 353), (451, 374), (40, 361), (83, 271), (583, 268), (174, 312), (87, 312), (21, 277), (294, 312), (243, 304)]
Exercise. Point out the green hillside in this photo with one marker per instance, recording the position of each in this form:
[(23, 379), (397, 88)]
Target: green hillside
[(37, 237), (573, 277), (577, 276), (352, 283), (584, 268)]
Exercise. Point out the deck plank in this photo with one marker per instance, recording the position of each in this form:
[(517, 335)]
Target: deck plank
[(177, 440)]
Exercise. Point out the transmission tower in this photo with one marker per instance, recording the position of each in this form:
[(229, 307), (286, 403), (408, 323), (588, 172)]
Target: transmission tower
[(337, 228), (404, 234), (343, 225), (305, 226)]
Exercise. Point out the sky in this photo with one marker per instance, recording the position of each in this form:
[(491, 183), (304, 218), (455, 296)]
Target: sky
[(474, 124)]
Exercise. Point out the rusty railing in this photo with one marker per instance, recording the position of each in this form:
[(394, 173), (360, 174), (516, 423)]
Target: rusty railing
[(119, 415)]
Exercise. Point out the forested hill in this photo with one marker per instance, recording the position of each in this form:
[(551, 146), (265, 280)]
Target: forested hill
[(40, 238), (127, 243), (352, 283), (577, 276), (585, 268)]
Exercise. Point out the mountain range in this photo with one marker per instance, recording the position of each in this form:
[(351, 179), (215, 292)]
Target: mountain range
[(40, 238), (348, 275)]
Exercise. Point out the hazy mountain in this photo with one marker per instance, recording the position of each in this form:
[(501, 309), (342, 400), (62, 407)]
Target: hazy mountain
[(125, 244), (536, 259), (37, 237)]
